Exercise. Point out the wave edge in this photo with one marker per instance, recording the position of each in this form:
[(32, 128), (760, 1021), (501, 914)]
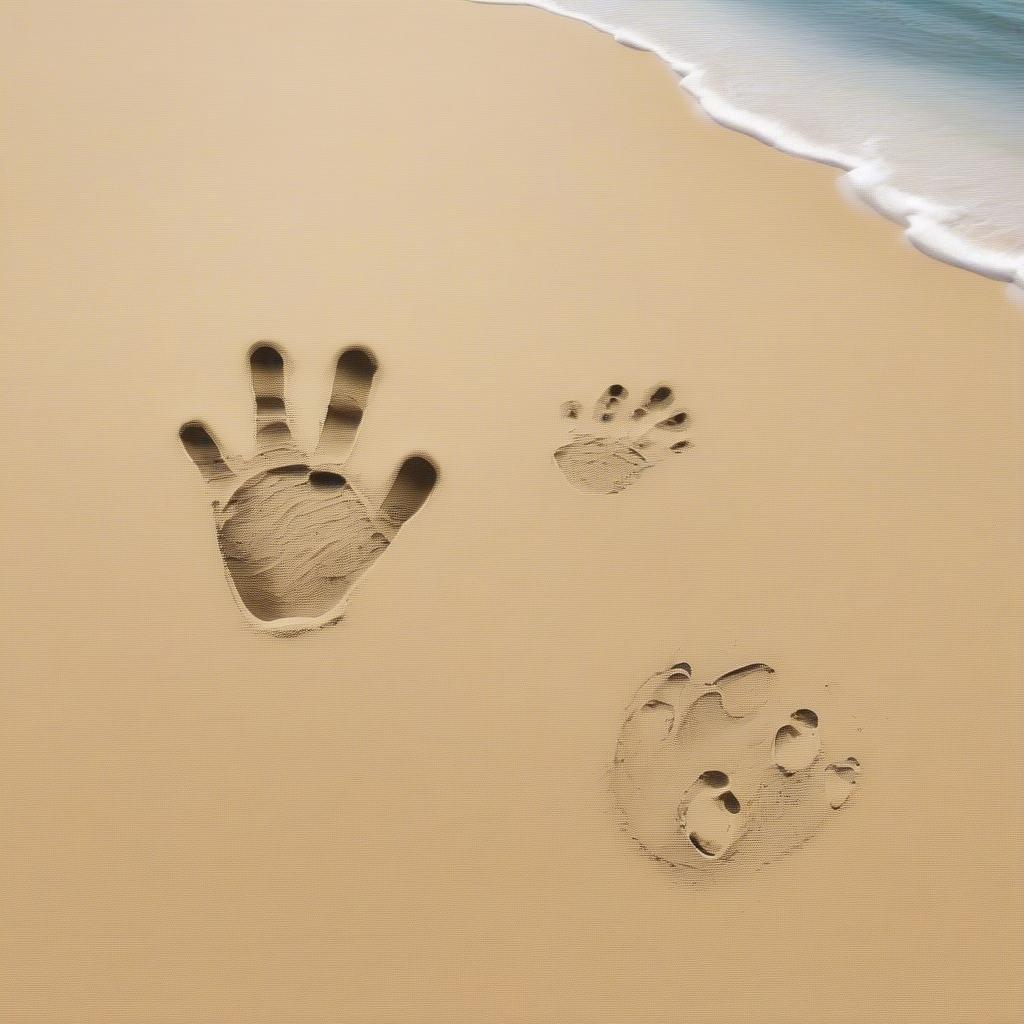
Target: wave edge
[(926, 224)]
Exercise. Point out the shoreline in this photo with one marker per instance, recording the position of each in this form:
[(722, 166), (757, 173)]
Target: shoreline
[(922, 220)]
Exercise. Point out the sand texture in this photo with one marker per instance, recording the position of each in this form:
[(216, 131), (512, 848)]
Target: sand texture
[(369, 659), (297, 536)]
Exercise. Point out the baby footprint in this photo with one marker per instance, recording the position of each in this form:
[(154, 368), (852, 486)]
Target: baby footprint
[(708, 779)]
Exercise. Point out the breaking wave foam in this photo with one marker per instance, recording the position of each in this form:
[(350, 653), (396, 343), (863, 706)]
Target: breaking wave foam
[(928, 225)]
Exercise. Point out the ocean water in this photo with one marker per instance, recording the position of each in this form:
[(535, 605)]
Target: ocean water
[(920, 101)]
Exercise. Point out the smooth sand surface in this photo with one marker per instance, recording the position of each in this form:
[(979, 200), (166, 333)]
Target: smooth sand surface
[(407, 816)]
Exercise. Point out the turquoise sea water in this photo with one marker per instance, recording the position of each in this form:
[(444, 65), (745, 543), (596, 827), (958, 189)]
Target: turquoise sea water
[(973, 40), (921, 100)]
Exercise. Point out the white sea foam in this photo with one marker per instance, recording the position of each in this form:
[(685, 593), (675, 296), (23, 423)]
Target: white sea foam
[(928, 225)]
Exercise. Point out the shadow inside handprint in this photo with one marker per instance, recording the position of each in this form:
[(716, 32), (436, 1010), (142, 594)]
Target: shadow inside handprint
[(295, 533)]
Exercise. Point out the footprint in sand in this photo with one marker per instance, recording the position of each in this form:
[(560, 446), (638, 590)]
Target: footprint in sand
[(294, 531), (725, 771), (616, 446)]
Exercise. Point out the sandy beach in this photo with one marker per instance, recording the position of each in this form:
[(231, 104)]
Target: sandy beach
[(407, 806)]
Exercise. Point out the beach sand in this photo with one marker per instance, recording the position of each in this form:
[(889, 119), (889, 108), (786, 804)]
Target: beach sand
[(409, 815)]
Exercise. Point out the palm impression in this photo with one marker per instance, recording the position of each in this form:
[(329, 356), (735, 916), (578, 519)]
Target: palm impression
[(295, 533), (618, 443)]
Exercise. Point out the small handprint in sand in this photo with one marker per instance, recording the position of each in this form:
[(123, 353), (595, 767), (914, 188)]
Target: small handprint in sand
[(710, 775), (615, 442), (295, 532)]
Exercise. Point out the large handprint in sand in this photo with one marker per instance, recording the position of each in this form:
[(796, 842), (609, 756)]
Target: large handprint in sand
[(294, 531)]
